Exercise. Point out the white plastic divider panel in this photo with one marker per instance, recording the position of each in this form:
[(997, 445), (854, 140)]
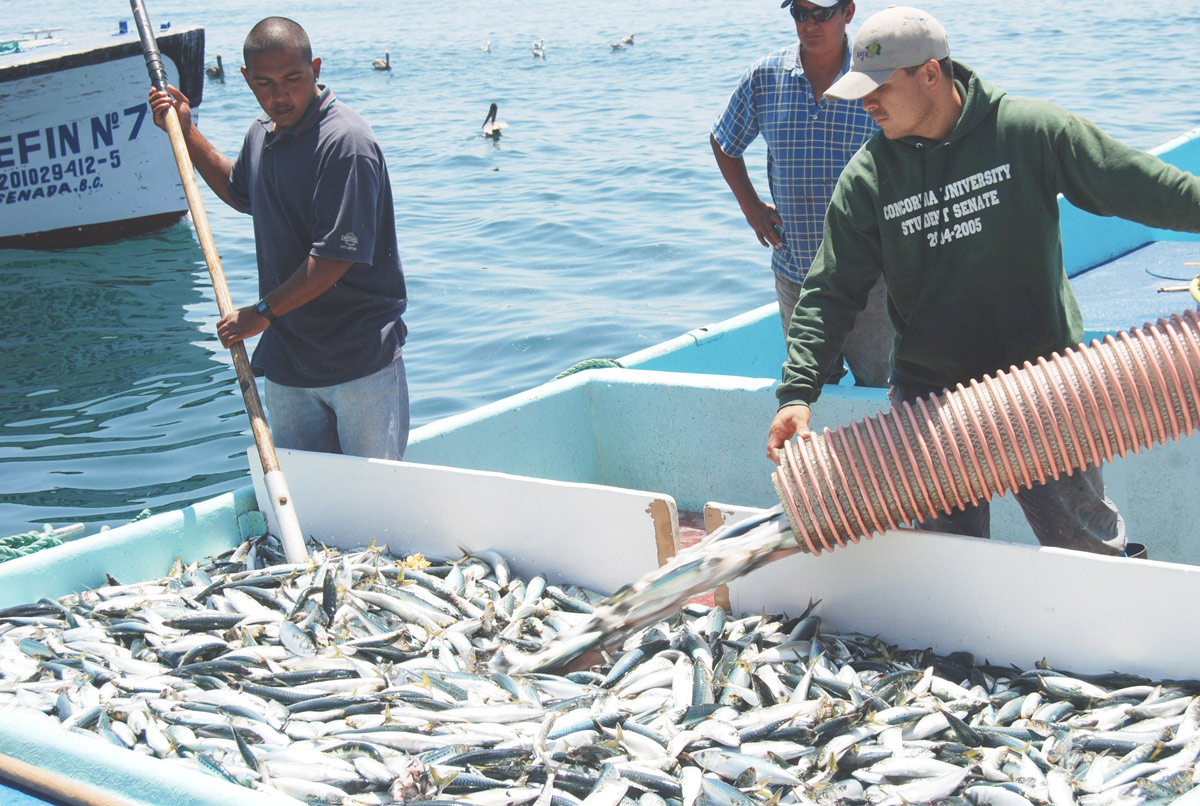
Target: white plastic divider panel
[(545, 432), (1003, 602), (585, 534)]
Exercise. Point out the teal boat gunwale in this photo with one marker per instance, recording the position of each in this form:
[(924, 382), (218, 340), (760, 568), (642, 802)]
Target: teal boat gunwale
[(137, 551), (139, 779)]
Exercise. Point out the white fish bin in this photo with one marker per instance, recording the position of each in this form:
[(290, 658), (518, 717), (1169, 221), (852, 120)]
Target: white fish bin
[(1004, 603)]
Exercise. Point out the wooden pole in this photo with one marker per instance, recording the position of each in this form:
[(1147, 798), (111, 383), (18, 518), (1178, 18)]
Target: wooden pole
[(281, 499), (53, 785)]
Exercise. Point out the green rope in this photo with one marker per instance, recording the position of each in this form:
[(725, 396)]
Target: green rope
[(25, 543), (591, 363)]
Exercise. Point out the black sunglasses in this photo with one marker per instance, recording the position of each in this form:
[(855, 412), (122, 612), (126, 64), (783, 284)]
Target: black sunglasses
[(818, 14)]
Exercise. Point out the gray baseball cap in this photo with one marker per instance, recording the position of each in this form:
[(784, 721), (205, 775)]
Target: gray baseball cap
[(821, 3), (898, 36)]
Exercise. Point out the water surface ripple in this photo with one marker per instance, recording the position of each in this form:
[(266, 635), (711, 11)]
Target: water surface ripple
[(597, 226)]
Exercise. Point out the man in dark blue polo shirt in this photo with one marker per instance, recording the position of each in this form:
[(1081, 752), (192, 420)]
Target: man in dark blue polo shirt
[(312, 175)]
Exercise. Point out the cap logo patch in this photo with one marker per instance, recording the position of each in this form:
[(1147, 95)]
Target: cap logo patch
[(872, 50)]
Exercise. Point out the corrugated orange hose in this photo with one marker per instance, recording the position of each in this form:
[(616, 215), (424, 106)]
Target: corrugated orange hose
[(1004, 432)]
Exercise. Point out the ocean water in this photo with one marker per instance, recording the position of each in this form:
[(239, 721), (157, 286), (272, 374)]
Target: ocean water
[(598, 224)]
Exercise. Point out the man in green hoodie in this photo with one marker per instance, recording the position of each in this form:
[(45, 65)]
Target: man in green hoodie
[(954, 202)]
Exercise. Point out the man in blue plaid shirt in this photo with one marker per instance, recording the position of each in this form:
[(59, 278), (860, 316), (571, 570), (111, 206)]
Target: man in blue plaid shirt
[(810, 139)]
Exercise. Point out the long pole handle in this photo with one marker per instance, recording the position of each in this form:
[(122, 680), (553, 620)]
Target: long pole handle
[(281, 499), (51, 784)]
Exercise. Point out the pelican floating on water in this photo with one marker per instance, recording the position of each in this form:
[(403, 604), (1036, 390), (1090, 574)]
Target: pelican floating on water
[(539, 49), (491, 126), (628, 40), (385, 63), (216, 71)]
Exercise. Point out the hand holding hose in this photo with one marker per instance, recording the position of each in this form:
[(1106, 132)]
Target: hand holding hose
[(789, 421)]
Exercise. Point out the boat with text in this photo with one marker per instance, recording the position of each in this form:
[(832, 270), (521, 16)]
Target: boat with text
[(79, 160)]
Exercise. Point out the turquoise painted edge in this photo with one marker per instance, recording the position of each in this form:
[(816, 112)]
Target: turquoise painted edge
[(139, 779), (138, 551), (456, 422), (700, 335)]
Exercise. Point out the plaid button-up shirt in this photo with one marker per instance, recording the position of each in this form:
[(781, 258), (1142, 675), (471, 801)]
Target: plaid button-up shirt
[(808, 144)]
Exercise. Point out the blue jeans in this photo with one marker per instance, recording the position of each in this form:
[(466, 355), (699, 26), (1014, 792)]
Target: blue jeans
[(364, 417), (1070, 513)]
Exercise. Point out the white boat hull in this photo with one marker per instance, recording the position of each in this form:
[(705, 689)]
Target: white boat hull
[(81, 161)]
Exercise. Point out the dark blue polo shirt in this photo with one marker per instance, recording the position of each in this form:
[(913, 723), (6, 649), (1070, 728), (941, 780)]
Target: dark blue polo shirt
[(321, 188)]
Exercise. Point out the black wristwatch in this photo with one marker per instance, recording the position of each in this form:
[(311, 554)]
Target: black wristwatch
[(264, 310)]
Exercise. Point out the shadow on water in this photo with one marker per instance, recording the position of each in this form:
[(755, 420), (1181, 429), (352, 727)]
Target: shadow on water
[(113, 398)]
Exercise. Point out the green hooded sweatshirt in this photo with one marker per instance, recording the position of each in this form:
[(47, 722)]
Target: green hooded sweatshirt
[(966, 234)]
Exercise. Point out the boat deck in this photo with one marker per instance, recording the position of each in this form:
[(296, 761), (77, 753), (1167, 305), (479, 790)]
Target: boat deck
[(1109, 292)]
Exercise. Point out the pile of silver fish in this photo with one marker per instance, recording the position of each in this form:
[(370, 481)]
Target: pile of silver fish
[(363, 678), (726, 553)]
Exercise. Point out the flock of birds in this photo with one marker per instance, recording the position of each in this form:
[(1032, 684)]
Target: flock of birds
[(491, 126)]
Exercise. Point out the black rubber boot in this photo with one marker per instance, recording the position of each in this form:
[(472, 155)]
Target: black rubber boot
[(1136, 551)]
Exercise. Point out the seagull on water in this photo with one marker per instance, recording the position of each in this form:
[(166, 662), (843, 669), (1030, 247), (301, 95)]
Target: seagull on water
[(616, 46), (539, 49), (217, 71), (385, 63), (491, 126), (487, 48)]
